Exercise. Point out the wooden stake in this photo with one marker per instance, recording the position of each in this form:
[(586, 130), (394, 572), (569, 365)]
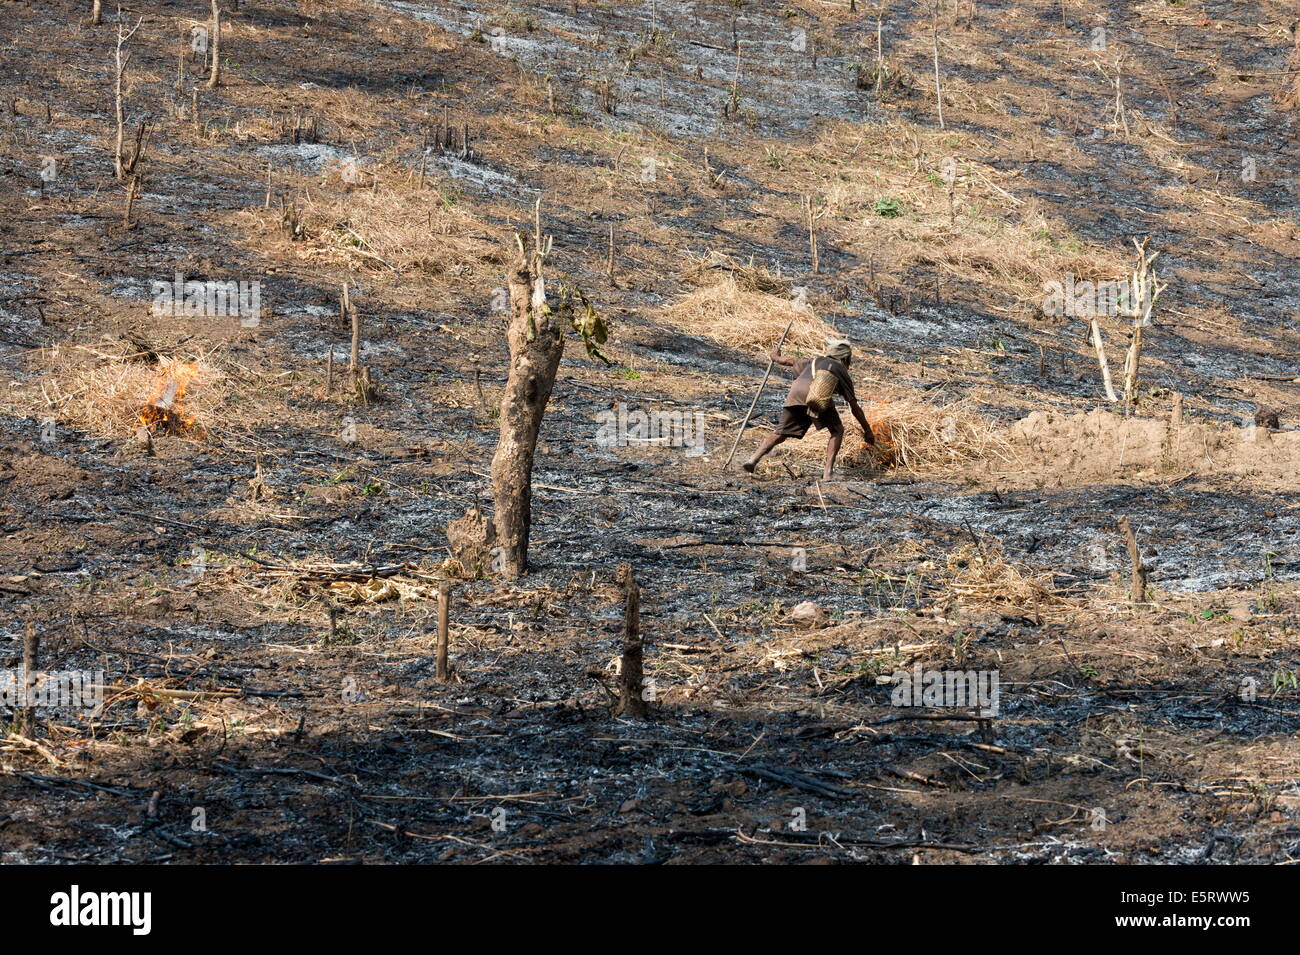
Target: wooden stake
[(812, 232), (31, 660), (938, 89), (329, 370), (735, 82), (631, 698), (749, 414), (444, 614), (355, 317), (880, 56), (215, 78), (424, 158), (1138, 574), (1101, 360)]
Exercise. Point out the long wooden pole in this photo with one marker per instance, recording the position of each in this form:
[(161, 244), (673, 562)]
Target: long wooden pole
[(753, 404)]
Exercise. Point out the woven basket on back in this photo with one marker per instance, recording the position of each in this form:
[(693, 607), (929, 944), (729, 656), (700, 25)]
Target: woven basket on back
[(821, 392)]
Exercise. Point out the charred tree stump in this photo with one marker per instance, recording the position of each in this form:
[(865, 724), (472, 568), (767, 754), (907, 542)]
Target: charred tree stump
[(536, 343), (631, 699), (362, 384), (1138, 573)]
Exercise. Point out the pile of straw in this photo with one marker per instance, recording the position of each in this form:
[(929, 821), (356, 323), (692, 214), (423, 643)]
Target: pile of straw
[(740, 318), (912, 434)]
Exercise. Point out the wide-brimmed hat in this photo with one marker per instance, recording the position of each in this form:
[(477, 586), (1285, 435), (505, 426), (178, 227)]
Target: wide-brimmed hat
[(838, 348)]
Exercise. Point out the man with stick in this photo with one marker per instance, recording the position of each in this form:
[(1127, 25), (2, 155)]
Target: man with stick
[(811, 401)]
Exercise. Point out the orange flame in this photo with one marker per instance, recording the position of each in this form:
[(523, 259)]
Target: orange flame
[(887, 452), (165, 412)]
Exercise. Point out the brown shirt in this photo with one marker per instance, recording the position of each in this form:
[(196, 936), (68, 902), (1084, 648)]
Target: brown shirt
[(803, 375)]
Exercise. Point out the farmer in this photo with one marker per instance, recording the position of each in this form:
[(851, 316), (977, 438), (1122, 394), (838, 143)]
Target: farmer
[(811, 401)]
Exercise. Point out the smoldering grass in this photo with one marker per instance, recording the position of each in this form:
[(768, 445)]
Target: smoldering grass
[(102, 390)]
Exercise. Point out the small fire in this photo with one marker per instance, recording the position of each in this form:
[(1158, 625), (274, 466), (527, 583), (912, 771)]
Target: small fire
[(164, 413), (887, 451)]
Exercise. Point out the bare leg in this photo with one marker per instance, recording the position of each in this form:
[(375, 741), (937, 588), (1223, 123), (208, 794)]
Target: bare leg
[(768, 444), (832, 452)]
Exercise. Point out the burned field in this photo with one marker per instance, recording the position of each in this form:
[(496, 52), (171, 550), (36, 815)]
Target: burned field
[(239, 514)]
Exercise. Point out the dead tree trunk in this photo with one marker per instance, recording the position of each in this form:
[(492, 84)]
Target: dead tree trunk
[(536, 343), (631, 696), (97, 13), (1132, 362), (1146, 290), (120, 61)]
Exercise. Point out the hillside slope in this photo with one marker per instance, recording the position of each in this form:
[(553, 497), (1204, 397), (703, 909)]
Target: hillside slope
[(257, 580)]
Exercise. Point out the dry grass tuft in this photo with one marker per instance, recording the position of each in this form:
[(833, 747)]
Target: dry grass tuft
[(751, 321), (399, 229), (981, 574), (751, 276)]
